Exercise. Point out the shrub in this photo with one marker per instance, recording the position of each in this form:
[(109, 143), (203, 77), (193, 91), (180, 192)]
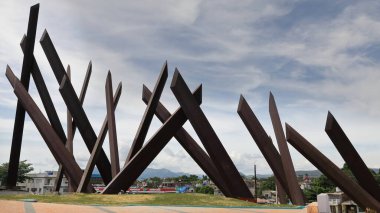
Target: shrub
[(205, 190)]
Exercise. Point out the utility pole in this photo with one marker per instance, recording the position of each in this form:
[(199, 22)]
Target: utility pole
[(254, 167)]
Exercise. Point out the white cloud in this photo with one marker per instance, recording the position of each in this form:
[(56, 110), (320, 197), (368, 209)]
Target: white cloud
[(312, 65)]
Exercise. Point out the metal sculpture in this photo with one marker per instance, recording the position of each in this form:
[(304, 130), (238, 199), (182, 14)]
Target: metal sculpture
[(295, 191), (352, 157), (353, 190), (71, 127), (147, 153), (98, 146), (69, 146), (51, 138), (209, 138), (27, 66), (191, 146), (281, 194), (263, 141), (215, 161), (148, 114), (45, 96), (74, 105), (114, 151)]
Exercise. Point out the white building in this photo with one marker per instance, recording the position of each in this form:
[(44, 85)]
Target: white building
[(336, 202), (42, 183)]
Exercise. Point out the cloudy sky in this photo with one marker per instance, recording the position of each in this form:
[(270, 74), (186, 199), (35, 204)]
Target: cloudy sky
[(314, 56)]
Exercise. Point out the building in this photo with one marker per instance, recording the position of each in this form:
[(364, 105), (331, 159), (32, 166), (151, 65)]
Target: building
[(336, 202), (306, 182), (42, 183)]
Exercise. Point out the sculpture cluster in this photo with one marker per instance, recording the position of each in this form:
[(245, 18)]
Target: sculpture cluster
[(215, 161)]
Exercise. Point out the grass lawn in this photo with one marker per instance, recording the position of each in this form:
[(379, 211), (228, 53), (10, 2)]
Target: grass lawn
[(188, 199)]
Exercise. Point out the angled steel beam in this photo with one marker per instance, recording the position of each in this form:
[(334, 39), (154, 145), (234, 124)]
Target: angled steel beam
[(351, 156), (73, 104), (27, 66), (263, 141), (85, 128), (49, 108), (208, 137), (281, 194), (45, 96), (70, 131), (83, 92), (85, 84), (71, 126), (69, 147), (114, 151), (70, 138), (295, 191), (51, 138), (138, 141), (58, 179), (85, 180), (190, 145), (146, 155), (328, 168)]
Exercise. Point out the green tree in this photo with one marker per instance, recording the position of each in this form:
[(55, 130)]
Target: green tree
[(23, 169), (153, 182), (205, 190), (377, 177), (348, 171), (187, 179), (265, 184), (193, 178), (268, 183), (318, 186), (156, 181)]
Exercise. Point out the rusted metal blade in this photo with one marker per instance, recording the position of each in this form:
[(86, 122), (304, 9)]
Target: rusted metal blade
[(263, 141), (71, 126), (351, 156), (85, 180), (281, 194), (190, 145), (114, 151), (209, 138), (69, 147), (73, 104), (146, 155), (45, 96), (83, 93), (18, 129), (328, 168), (51, 138), (295, 191), (138, 141)]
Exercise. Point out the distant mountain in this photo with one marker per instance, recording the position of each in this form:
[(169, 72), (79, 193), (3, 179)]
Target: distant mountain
[(149, 173), (161, 173), (259, 176), (165, 173), (311, 173), (317, 173)]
